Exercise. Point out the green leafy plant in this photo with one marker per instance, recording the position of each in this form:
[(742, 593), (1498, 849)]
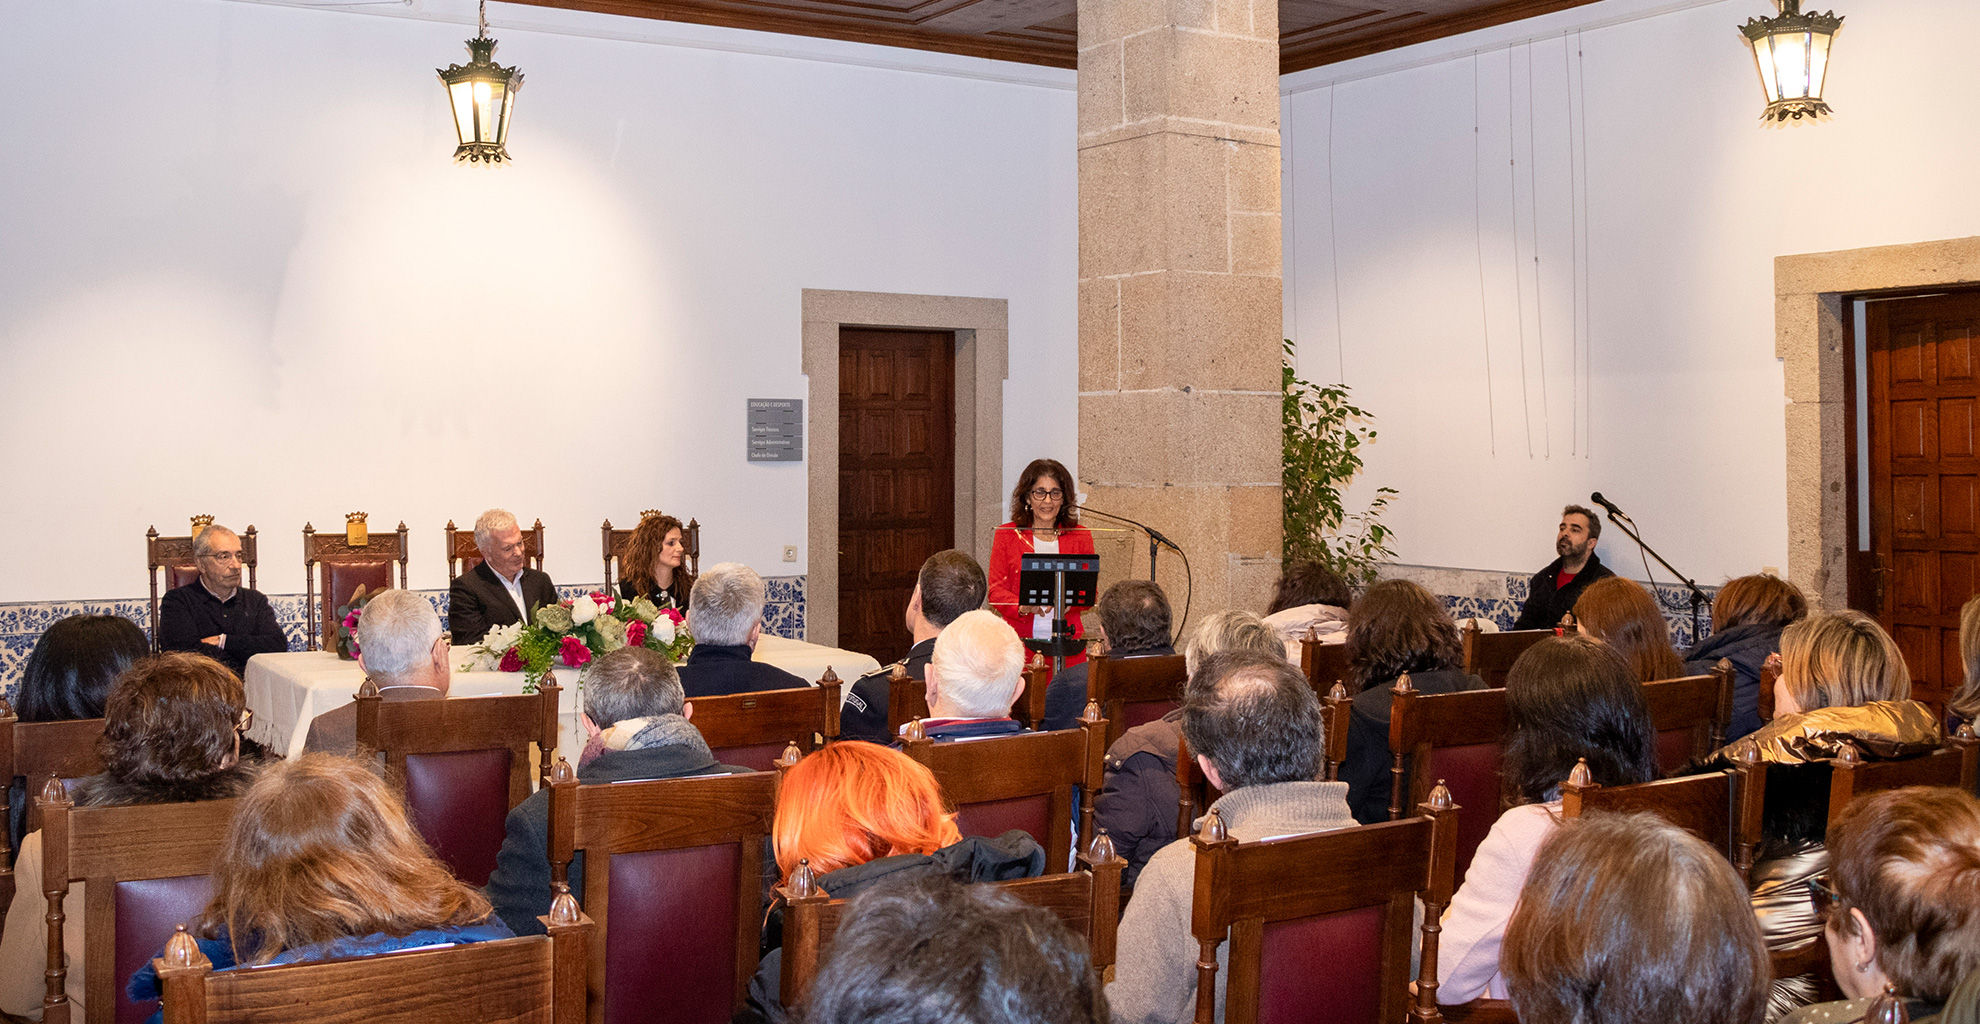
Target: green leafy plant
[(1323, 435)]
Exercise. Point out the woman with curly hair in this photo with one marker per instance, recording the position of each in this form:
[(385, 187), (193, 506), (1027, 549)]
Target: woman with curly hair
[(654, 563), (1043, 521), (861, 816), (322, 862), (1622, 614)]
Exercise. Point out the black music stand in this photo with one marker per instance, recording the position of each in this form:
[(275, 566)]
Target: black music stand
[(1061, 581)]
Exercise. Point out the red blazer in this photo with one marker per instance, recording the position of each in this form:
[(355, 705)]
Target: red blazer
[(1011, 542)]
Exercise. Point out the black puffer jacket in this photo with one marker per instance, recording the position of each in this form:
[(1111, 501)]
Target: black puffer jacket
[(1747, 646)]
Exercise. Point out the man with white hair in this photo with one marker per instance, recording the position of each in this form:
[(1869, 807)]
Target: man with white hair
[(214, 615), (402, 651), (503, 589), (725, 614), (974, 677)]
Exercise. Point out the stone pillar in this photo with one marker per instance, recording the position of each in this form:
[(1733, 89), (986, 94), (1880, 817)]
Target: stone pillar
[(1180, 289)]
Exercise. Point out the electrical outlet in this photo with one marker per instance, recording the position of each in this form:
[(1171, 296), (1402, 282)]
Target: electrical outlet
[(1770, 570), (790, 552)]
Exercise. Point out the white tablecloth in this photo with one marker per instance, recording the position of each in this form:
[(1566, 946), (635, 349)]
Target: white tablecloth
[(290, 689)]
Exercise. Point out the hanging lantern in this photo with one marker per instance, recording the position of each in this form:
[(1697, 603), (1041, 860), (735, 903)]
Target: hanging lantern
[(1792, 50), (482, 93)]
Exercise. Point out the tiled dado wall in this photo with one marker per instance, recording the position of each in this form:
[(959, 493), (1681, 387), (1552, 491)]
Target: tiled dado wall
[(1497, 596), (22, 624)]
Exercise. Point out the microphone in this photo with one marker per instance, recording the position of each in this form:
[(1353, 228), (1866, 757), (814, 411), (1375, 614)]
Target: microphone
[(1610, 505), (1153, 533)]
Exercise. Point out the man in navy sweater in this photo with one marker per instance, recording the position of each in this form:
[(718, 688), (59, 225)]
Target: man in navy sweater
[(974, 677)]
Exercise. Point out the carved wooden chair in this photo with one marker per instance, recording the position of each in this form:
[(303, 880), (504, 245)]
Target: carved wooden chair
[(35, 752), (1087, 900), (174, 557), (463, 555), (1324, 664), (615, 549), (752, 729), (1489, 656), (462, 764), (1133, 691), (343, 569), (907, 699), (537, 979), (1455, 739), (673, 876), (1690, 714), (1344, 899), (1335, 710), (1703, 805), (1770, 672), (1749, 807), (1955, 764), (1026, 781), (144, 871), (1029, 708)]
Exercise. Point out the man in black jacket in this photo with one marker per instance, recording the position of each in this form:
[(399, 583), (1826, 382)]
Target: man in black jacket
[(503, 589), (214, 615), (637, 719), (725, 615), (951, 583), (1553, 590), (1135, 619)]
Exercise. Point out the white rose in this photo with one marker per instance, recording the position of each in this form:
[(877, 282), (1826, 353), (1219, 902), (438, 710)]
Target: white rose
[(583, 610), (501, 638), (663, 627)]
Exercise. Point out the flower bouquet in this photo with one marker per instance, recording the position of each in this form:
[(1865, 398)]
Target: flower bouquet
[(572, 633), (347, 622)]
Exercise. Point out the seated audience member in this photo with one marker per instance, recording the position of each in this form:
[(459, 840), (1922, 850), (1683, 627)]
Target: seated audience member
[(170, 735), (1396, 628), (1135, 618), (1748, 615), (866, 817), (1553, 591), (950, 584), (1842, 679), (1567, 698), (935, 952), (1139, 800), (1310, 596), (214, 615), (67, 677), (321, 863), (1622, 614), (1964, 704), (1901, 902), (503, 589), (726, 618), (1253, 724), (401, 649), (1628, 920), (974, 676), (653, 566), (637, 721)]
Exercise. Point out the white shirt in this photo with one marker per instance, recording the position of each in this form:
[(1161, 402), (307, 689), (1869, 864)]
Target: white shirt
[(514, 587), (1041, 625)]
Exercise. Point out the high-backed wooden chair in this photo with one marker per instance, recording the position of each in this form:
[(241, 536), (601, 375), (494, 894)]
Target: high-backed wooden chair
[(616, 541), (1132, 691), (35, 752), (1690, 714), (907, 699), (1343, 899), (1770, 672), (752, 729), (463, 555), (144, 871), (1335, 711), (1955, 764), (1025, 781), (1087, 899), (1749, 807), (462, 764), (1455, 738), (1702, 805), (1324, 664), (174, 557), (343, 569), (538, 979), (1489, 656), (1029, 707), (673, 876)]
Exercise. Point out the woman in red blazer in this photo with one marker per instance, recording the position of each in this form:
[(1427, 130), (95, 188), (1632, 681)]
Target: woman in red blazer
[(1042, 518)]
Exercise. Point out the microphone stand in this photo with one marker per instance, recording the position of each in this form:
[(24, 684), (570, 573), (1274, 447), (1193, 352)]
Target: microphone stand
[(1698, 597), (1155, 538)]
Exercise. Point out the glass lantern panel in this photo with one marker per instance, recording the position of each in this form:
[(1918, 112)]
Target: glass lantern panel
[(1791, 64), (487, 100), (508, 105), (461, 95), (1818, 61)]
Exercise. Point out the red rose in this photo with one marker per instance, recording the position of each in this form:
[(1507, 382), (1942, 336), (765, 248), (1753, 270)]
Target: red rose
[(511, 661), (675, 614), (635, 633), (575, 653)]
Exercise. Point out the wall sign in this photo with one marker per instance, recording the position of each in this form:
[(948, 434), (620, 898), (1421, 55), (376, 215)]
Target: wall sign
[(776, 430)]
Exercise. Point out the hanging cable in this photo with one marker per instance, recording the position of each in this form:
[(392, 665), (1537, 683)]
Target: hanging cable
[(1519, 278), (1539, 294), (1478, 237)]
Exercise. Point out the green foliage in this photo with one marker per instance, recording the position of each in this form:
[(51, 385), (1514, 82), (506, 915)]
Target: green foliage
[(1323, 436)]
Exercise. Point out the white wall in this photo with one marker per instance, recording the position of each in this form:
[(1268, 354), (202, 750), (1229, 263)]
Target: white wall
[(240, 274), (1649, 370)]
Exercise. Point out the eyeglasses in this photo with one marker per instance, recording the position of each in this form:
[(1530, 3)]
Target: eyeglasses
[(1041, 494), (1822, 896), (246, 719)]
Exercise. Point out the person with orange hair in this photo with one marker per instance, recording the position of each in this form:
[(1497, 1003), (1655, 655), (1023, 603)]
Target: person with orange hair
[(1622, 614), (861, 816)]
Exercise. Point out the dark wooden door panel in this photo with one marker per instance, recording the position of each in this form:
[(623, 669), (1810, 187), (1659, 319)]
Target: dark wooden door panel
[(896, 477), (1924, 477)]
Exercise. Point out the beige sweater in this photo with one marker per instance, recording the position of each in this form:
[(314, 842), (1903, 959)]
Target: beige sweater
[(1155, 973), (24, 942)]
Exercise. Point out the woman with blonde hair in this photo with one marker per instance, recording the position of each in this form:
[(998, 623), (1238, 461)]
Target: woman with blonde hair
[(860, 816), (322, 862), (654, 564), (1622, 614), (1748, 615)]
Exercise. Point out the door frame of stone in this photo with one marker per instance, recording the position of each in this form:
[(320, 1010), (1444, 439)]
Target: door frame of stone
[(982, 330), (1812, 338)]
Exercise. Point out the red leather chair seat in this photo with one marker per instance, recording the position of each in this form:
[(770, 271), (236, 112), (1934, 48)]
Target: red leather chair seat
[(671, 937), (460, 804), (1327, 967), (1471, 773), (148, 911), (1031, 814)]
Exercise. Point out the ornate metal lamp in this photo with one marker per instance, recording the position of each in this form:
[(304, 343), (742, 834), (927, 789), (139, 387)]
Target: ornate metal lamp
[(482, 93), (1792, 50)]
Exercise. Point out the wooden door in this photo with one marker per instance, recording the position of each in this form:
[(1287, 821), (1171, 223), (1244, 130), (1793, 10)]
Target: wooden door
[(896, 477), (1924, 390)]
